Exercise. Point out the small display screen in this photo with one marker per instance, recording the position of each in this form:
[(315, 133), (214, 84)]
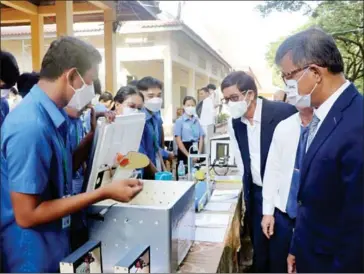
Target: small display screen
[(222, 150)]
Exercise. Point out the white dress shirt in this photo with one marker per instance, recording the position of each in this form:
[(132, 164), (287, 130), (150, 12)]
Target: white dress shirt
[(322, 111), (253, 131), (280, 164), (208, 112), (235, 148)]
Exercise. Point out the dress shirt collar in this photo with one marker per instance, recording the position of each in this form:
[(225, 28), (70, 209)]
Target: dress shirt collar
[(257, 118), (322, 111)]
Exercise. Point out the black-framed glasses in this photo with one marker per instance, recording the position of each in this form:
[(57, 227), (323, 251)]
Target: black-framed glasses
[(291, 74), (233, 98)]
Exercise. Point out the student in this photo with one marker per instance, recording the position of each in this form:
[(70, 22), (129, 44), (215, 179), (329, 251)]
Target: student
[(128, 100), (187, 130), (97, 88), (105, 102), (9, 75), (14, 98), (152, 135), (36, 164)]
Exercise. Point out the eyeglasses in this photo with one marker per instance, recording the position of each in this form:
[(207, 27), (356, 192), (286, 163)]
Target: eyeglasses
[(291, 74), (233, 98)]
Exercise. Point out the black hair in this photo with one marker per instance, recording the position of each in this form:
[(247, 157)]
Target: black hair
[(205, 89), (188, 98), (68, 52), (105, 96), (97, 86), (125, 92), (211, 86), (242, 80), (9, 72), (14, 90), (133, 83), (149, 82), (26, 81), (312, 46)]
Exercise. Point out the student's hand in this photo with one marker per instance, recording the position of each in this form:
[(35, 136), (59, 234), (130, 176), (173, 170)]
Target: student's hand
[(268, 225), (123, 190), (110, 116), (291, 264)]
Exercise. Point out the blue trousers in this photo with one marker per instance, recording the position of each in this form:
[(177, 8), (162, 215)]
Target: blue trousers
[(279, 243)]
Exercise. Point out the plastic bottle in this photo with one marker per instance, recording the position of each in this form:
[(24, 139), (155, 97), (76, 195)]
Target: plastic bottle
[(181, 171)]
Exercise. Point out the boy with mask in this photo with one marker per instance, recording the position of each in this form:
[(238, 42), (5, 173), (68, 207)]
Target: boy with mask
[(36, 164), (152, 135), (9, 75)]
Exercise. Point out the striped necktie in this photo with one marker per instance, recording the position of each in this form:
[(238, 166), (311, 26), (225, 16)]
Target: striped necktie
[(312, 131)]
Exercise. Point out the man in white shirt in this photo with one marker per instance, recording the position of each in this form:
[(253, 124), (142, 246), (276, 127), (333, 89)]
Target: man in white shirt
[(328, 235), (280, 186), (254, 121), (208, 113)]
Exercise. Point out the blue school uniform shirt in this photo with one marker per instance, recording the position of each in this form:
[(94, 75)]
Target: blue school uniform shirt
[(188, 128), (4, 109), (35, 159), (100, 108), (152, 133)]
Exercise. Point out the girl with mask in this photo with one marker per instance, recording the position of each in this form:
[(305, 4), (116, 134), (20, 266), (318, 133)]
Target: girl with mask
[(187, 131), (128, 101)]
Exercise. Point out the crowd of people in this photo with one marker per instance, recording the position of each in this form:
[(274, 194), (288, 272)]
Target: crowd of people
[(301, 155)]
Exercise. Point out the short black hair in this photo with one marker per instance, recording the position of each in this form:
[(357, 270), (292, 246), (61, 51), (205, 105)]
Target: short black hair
[(105, 96), (149, 82), (97, 86), (26, 81), (205, 89), (125, 92), (133, 83), (211, 86), (9, 72), (188, 98), (312, 46), (242, 80), (68, 52)]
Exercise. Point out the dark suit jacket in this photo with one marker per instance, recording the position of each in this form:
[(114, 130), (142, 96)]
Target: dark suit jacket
[(272, 113), (329, 227), (199, 109)]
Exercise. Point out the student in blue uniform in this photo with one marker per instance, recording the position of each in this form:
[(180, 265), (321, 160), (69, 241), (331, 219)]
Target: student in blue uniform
[(187, 130), (151, 139), (9, 75), (105, 102), (128, 100), (36, 164), (26, 81)]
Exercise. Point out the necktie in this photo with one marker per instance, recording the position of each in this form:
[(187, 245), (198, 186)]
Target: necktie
[(291, 207), (313, 126)]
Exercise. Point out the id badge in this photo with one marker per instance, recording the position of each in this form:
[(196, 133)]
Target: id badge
[(195, 145), (66, 221)]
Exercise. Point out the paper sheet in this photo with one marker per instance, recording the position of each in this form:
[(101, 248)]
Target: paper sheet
[(212, 220), (225, 195), (218, 206), (210, 234)]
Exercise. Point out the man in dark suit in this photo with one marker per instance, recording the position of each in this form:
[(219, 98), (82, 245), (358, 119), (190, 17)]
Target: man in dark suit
[(328, 235), (254, 121)]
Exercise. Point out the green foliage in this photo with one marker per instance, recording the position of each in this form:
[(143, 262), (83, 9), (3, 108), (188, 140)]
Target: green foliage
[(344, 20), (222, 118)]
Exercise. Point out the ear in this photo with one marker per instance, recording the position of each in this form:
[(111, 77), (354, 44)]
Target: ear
[(71, 74), (317, 72)]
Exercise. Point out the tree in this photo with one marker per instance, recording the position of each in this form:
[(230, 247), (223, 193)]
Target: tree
[(344, 20)]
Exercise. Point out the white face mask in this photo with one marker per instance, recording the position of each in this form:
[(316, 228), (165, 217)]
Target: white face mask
[(5, 92), (293, 96), (154, 104), (129, 110), (238, 109), (82, 96), (190, 110)]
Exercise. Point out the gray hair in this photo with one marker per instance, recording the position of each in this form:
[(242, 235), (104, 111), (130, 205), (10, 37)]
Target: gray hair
[(312, 46)]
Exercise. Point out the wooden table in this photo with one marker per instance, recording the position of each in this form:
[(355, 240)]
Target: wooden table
[(218, 257)]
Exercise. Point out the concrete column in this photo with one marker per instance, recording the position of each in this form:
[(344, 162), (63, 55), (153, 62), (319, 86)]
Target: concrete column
[(64, 18), (37, 34), (110, 51), (192, 83), (168, 88)]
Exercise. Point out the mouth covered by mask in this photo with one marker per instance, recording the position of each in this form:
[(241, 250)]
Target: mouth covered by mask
[(129, 110), (190, 110), (83, 96), (154, 104), (238, 109), (5, 92), (293, 96)]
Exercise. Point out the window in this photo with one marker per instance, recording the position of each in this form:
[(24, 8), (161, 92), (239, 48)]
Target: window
[(214, 69)]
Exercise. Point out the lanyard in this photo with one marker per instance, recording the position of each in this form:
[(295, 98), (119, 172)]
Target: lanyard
[(154, 137), (194, 131), (64, 163)]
